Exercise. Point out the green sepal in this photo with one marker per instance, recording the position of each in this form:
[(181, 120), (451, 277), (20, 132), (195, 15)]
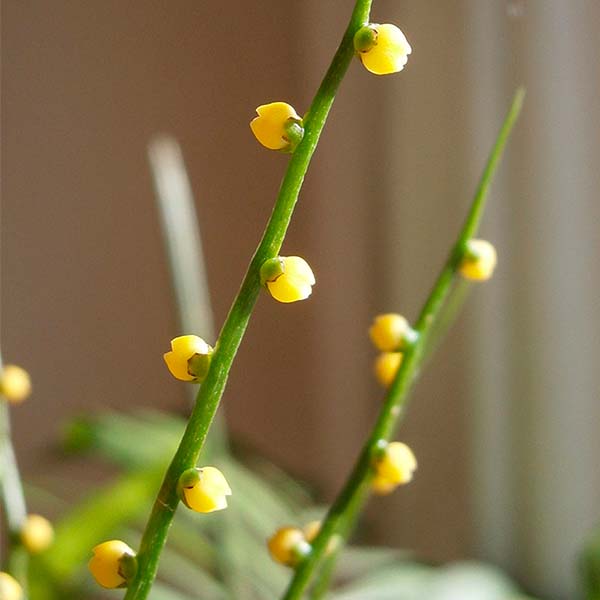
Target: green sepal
[(271, 269), (365, 38), (198, 366), (187, 480), (128, 566)]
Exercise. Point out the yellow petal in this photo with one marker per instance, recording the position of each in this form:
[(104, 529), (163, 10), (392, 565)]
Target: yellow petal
[(105, 566), (269, 126), (209, 493), (178, 366), (387, 331), (10, 589), (397, 464), (480, 260), (390, 52), (386, 367), (286, 545), (15, 383), (37, 534)]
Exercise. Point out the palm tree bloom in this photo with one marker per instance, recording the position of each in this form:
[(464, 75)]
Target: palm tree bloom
[(391, 332), (189, 358), (288, 546), (113, 564), (395, 466), (37, 534), (386, 367), (10, 589), (479, 260), (15, 383), (288, 278), (278, 126), (204, 490), (382, 49)]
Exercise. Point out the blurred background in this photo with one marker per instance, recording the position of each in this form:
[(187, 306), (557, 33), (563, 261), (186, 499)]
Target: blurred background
[(506, 419)]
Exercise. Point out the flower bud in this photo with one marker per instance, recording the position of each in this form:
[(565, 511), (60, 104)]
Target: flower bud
[(10, 588), (386, 367), (15, 384), (288, 546), (479, 260), (204, 490), (37, 534), (394, 466), (382, 49), (288, 278), (278, 126), (189, 358), (391, 332), (113, 565)]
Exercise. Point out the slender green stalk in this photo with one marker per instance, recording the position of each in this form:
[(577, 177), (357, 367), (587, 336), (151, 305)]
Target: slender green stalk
[(13, 498), (210, 393), (396, 399)]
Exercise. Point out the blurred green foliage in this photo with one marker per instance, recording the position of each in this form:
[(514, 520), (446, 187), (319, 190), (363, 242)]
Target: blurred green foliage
[(221, 556)]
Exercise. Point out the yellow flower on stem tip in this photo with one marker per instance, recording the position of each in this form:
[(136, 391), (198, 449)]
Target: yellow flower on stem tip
[(15, 383), (382, 49), (391, 332), (10, 589), (204, 489), (386, 367), (278, 126), (288, 278), (393, 467), (288, 546), (479, 260), (189, 358), (113, 564), (37, 534)]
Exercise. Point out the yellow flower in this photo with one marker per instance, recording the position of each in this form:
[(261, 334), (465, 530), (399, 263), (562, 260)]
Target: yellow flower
[(10, 589), (479, 260), (204, 490), (288, 278), (382, 49), (395, 466), (278, 126), (391, 332), (37, 534), (189, 358), (113, 564), (288, 546), (15, 383), (386, 367)]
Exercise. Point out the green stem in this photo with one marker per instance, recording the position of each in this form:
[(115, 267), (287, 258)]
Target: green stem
[(210, 393), (396, 398), (13, 498)]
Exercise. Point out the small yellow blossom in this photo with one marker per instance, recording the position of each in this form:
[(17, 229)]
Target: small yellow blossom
[(278, 126), (479, 260), (189, 358), (37, 534), (391, 332), (288, 546), (382, 49), (204, 490), (395, 466), (15, 383), (10, 589), (288, 278), (386, 367), (113, 564)]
